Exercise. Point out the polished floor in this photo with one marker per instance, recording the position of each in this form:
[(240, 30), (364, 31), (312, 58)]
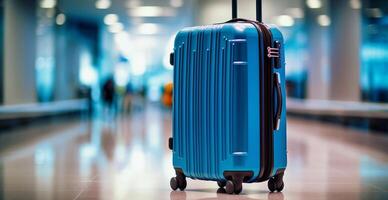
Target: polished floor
[(127, 158)]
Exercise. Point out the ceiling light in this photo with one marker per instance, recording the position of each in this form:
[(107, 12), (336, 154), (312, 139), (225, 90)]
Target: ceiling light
[(324, 20), (148, 29), (151, 11), (103, 4), (116, 27), (48, 3), (314, 4), (355, 4), (176, 3), (110, 19), (60, 19), (285, 20)]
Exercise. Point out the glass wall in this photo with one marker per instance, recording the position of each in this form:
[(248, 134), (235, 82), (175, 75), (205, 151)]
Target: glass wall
[(374, 52), (312, 32), (45, 57), (67, 54)]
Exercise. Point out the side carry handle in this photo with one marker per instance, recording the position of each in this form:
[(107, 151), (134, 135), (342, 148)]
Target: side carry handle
[(279, 95), (258, 10)]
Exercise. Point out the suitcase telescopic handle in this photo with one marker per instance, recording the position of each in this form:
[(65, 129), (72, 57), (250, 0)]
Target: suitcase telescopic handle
[(258, 10), (279, 95)]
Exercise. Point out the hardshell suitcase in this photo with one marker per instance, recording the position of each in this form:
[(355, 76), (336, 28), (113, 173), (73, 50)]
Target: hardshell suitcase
[(229, 113)]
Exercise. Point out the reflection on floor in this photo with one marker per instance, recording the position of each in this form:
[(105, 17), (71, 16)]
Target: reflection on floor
[(128, 159)]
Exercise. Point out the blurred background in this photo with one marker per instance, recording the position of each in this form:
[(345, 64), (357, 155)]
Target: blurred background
[(86, 92), (54, 50)]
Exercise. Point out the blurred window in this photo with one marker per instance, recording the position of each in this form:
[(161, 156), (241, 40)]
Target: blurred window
[(374, 51)]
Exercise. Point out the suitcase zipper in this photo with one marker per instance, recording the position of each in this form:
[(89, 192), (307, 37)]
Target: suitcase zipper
[(267, 107)]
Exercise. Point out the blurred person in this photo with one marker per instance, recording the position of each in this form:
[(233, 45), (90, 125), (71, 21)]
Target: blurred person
[(108, 95), (128, 98), (167, 95), (120, 98), (143, 96)]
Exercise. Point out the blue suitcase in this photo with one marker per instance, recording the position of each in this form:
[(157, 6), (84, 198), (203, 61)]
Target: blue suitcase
[(229, 113)]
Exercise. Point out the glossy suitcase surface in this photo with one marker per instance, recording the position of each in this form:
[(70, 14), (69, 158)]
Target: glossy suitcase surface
[(229, 119)]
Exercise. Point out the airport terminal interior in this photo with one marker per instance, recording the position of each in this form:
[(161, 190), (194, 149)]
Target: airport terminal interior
[(86, 98)]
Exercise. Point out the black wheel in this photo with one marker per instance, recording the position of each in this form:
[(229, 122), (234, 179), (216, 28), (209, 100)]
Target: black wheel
[(173, 183), (229, 187), (221, 191), (221, 184), (280, 186), (271, 184), (279, 181), (237, 188), (182, 183)]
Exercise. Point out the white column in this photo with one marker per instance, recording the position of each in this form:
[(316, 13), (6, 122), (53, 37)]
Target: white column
[(317, 60), (345, 33), (19, 51)]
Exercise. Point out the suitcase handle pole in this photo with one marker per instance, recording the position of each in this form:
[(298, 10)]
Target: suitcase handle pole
[(258, 10)]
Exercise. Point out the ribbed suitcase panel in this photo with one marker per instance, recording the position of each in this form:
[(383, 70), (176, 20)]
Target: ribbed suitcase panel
[(201, 103), (210, 102)]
